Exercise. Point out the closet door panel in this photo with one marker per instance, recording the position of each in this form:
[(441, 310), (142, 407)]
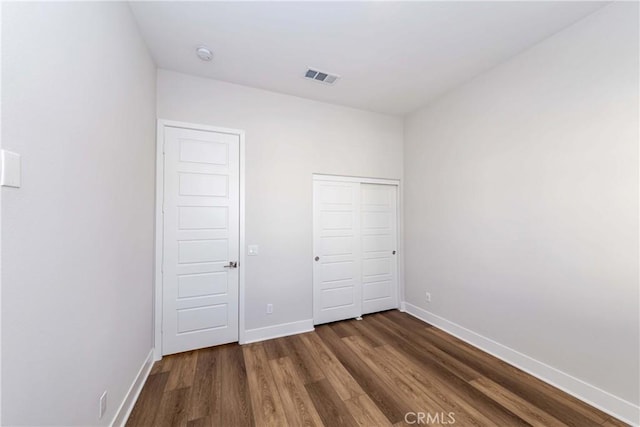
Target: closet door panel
[(378, 206), (337, 289)]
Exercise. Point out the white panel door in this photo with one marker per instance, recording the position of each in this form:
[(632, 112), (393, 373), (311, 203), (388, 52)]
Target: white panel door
[(336, 267), (201, 239), (378, 213)]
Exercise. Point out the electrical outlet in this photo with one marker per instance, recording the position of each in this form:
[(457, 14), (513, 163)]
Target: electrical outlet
[(103, 404), (269, 308), (428, 297)]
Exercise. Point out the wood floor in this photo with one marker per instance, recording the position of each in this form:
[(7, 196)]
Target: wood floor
[(368, 373)]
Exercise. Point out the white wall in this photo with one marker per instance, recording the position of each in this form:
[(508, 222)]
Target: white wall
[(0, 220), (521, 203), (287, 140), (77, 244)]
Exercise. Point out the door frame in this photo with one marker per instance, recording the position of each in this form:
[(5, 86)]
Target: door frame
[(399, 213), (159, 229)]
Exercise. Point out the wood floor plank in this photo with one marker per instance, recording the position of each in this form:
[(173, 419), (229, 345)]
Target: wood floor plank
[(392, 379), (365, 412), (331, 408), (298, 407), (307, 368), (369, 334), (174, 408), (205, 392), (391, 405), (460, 398), (265, 399), (145, 410), (414, 336), (276, 348), (341, 329), (525, 410), (440, 392), (425, 354), (342, 382), (162, 365), (355, 328), (235, 397), (424, 396), (406, 319), (200, 422), (182, 370)]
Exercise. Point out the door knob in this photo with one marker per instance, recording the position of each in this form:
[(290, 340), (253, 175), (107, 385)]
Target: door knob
[(317, 258), (232, 264), (393, 253)]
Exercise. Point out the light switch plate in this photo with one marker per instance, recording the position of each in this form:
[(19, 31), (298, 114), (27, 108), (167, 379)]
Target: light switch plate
[(253, 250), (10, 169)]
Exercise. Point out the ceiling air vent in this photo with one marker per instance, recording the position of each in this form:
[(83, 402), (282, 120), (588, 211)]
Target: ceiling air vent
[(321, 76)]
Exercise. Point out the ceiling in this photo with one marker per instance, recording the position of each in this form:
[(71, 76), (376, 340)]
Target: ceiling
[(393, 57)]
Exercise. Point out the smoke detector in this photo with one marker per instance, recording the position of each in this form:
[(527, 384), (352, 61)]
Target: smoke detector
[(321, 76), (204, 53)]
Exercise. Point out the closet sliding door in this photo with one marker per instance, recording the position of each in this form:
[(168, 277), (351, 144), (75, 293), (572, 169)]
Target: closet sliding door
[(355, 267), (337, 290), (378, 230)]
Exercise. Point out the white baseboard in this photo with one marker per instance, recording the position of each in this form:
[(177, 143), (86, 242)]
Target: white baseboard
[(277, 331), (594, 396), (122, 415)]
